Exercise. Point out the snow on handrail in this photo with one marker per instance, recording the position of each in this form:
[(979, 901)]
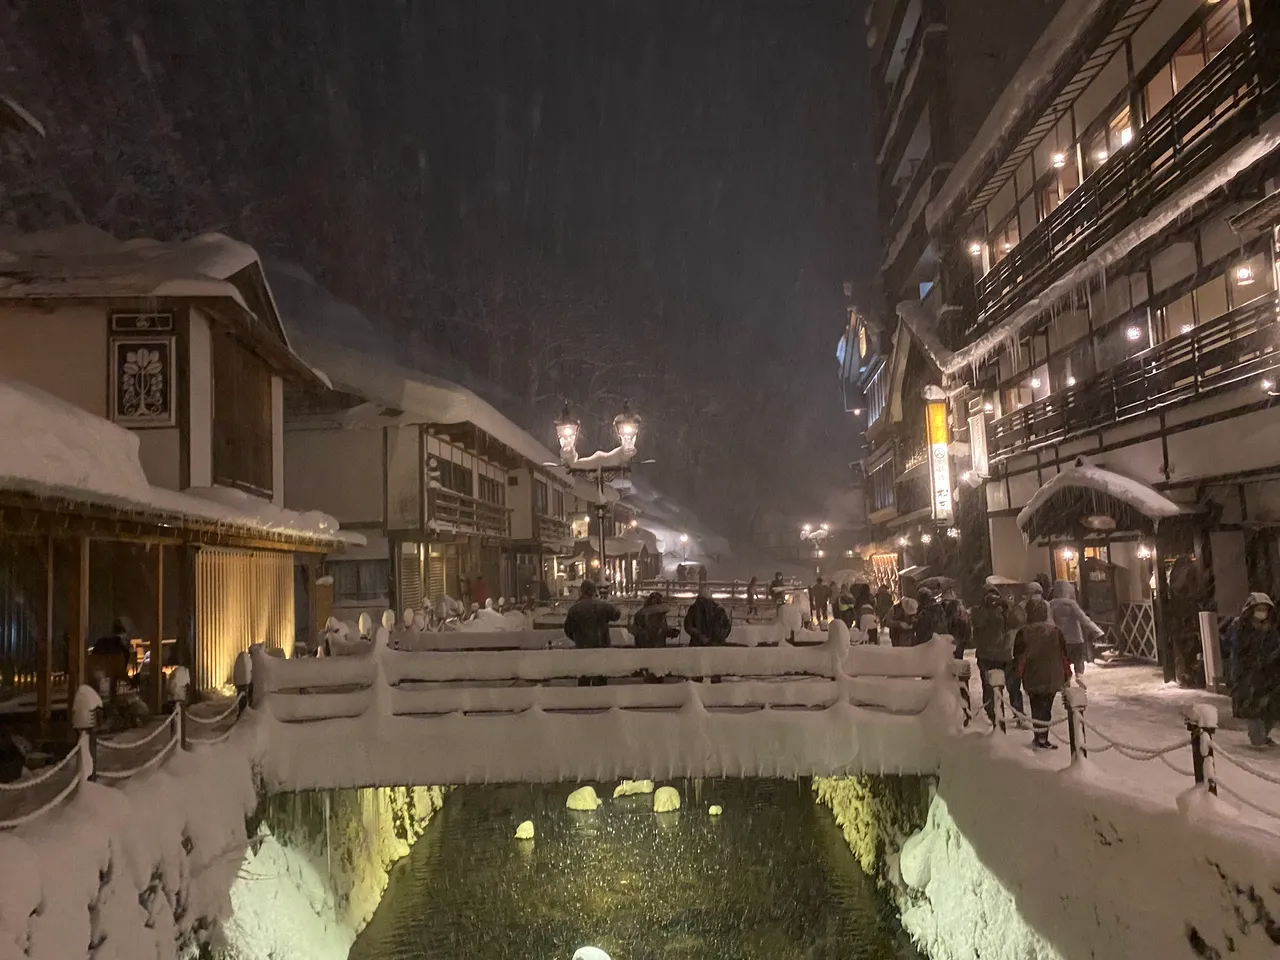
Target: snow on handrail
[(217, 718), (1245, 765), (40, 777), (26, 788), (118, 744), (161, 755)]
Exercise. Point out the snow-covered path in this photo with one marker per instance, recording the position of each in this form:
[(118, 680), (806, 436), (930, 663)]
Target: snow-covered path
[(1133, 705)]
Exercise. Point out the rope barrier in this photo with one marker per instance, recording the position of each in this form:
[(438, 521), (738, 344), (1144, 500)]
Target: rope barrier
[(1265, 811), (40, 778), (210, 721), (209, 741), (1181, 771), (1244, 765), (65, 792), (141, 741), (133, 771)]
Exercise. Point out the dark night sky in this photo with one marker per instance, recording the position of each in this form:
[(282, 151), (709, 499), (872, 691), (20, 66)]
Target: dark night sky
[(698, 171)]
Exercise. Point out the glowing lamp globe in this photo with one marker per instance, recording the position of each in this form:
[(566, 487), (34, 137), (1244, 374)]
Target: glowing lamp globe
[(627, 426), (567, 434)]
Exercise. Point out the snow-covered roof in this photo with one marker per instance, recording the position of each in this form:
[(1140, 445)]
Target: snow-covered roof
[(427, 399), (51, 448), (1104, 492), (81, 261), (1021, 95)]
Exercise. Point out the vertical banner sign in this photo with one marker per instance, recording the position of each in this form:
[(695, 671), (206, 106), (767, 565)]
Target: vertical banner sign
[(978, 445), (939, 461)]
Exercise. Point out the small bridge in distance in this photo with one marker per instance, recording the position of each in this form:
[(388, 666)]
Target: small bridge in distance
[(395, 717)]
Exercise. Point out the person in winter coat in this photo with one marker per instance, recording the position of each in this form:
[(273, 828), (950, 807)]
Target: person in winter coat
[(587, 625), (957, 615), (993, 643), (1041, 653), (869, 623), (777, 590), (819, 599), (931, 618), (753, 586), (706, 622), (1255, 694), (649, 623), (902, 622), (846, 610), (884, 602), (1074, 623), (1042, 580)]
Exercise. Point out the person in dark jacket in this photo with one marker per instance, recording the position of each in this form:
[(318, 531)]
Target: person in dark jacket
[(993, 643), (884, 602), (1255, 692), (846, 611), (902, 622), (587, 625), (649, 623), (931, 618), (706, 622), (957, 620), (753, 587), (777, 589), (1041, 653), (862, 595), (819, 600)]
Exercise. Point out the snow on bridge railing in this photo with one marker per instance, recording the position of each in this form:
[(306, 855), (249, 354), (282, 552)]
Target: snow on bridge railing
[(488, 682)]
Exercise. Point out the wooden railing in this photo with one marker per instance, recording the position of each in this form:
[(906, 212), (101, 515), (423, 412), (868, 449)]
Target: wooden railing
[(1221, 106), (458, 512), (553, 528), (1240, 346)]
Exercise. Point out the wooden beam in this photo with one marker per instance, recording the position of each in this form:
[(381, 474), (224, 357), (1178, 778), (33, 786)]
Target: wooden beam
[(44, 647), (157, 639), (78, 629)]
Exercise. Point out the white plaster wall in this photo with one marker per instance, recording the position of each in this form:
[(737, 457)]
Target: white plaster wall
[(200, 398), (1242, 443), (160, 452), (1011, 556), (63, 352)]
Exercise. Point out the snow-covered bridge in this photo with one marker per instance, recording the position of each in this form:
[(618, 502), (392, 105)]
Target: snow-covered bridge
[(392, 717)]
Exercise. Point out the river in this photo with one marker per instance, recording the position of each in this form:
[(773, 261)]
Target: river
[(770, 879)]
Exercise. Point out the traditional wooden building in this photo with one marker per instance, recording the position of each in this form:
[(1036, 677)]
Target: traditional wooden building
[(1108, 316), (443, 486), (177, 346)]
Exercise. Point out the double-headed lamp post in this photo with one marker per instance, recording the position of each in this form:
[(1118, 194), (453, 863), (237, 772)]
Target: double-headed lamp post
[(815, 535), (607, 465)]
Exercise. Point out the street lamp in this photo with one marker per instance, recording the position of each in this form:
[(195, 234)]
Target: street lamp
[(606, 465)]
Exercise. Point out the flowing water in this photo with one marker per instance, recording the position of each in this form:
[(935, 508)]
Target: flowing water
[(770, 879)]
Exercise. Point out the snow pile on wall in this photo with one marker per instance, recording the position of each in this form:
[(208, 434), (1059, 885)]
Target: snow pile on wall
[(139, 871), (315, 881)]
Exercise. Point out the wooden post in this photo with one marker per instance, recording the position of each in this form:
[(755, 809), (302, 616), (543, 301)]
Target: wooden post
[(78, 629), (44, 647), (157, 641)]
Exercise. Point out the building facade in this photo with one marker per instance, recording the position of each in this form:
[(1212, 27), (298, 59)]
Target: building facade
[(1109, 343)]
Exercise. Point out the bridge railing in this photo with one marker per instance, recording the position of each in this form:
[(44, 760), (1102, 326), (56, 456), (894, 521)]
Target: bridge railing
[(497, 682)]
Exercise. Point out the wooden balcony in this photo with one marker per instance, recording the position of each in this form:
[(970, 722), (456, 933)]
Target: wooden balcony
[(1240, 347), (449, 511), (1221, 106), (553, 530)]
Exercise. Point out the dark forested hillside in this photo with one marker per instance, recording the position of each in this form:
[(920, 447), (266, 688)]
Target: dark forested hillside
[(577, 201)]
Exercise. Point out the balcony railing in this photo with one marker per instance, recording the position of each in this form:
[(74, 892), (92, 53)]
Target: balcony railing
[(1221, 106), (455, 511), (895, 92), (553, 529), (1238, 347)]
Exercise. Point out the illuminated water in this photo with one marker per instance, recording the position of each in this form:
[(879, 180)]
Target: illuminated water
[(771, 878)]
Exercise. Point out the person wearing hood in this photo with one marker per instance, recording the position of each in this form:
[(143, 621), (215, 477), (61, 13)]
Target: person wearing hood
[(706, 622), (931, 618), (901, 622), (649, 623), (993, 635), (1255, 694), (1041, 653), (1074, 623)]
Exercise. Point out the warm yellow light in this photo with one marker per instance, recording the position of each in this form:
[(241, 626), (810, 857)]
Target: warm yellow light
[(1071, 381), (1133, 333), (595, 563), (975, 248), (1144, 552), (926, 538), (1126, 136), (1101, 156), (1244, 274), (988, 407), (1036, 383), (684, 538), (1068, 553), (1059, 160)]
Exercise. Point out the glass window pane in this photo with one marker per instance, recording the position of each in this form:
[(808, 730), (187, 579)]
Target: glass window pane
[(1096, 152), (1221, 28), (1119, 130), (1178, 317), (1250, 279), (1159, 91), (1211, 299), (1188, 61)]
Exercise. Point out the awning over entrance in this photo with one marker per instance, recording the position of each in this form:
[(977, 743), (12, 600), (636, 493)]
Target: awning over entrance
[(1085, 497)]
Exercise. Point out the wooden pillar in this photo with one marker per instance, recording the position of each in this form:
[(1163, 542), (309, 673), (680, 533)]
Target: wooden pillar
[(157, 640), (78, 628), (44, 646)]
